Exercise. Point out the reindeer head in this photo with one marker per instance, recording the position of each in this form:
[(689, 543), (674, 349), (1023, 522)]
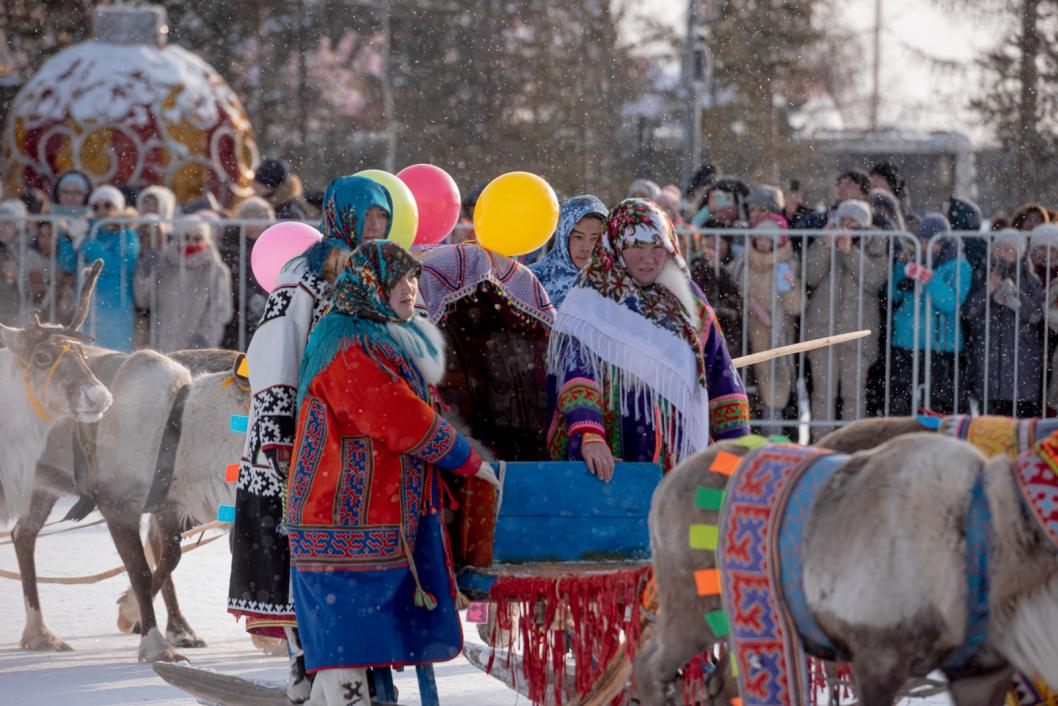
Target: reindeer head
[(55, 373)]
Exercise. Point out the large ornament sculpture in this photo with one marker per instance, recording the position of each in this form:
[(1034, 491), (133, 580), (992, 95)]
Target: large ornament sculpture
[(126, 108)]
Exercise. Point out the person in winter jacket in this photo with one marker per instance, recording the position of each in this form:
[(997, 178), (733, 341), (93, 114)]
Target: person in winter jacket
[(1005, 344), (1043, 259), (886, 176), (846, 274), (768, 276), (46, 285), (721, 291), (112, 321), (1029, 216), (283, 190), (192, 289), (249, 298), (12, 247), (942, 275), (965, 219)]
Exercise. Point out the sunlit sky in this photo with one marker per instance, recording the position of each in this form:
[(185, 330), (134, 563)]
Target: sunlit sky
[(914, 95)]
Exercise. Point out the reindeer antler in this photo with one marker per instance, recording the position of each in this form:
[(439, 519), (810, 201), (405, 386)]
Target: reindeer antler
[(87, 290)]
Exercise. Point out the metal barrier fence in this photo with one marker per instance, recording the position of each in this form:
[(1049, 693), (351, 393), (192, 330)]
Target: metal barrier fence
[(824, 282)]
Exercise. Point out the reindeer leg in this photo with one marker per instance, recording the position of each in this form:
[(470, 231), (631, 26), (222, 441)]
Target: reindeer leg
[(164, 536), (36, 635), (125, 531), (985, 688), (879, 675)]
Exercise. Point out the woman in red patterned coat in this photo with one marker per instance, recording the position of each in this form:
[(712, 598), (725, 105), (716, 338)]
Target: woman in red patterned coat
[(371, 571)]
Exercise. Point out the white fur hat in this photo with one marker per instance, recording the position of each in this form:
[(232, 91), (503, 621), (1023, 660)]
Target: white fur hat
[(854, 210), (108, 193), (1043, 236), (1014, 238)]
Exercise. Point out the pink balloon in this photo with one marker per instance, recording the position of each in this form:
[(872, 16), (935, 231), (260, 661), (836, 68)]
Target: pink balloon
[(277, 246), (437, 196)]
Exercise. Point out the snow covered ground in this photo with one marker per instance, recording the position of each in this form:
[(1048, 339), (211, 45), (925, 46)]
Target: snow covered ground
[(102, 669)]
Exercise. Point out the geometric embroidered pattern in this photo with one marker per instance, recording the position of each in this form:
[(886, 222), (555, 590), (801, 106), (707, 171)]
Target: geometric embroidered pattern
[(578, 393), (728, 412), (262, 481), (274, 421), (278, 304), (1038, 484), (413, 483), (351, 499), (242, 605), (364, 548), (436, 443), (309, 454), (764, 642)]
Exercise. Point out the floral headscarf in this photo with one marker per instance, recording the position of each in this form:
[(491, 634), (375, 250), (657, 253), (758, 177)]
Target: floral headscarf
[(631, 222), (345, 204), (556, 271), (364, 286), (347, 200), (360, 313)]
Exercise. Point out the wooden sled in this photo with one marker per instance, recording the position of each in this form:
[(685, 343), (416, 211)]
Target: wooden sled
[(225, 689)]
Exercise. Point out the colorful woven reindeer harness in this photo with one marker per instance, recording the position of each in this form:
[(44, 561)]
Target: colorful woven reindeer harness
[(758, 541)]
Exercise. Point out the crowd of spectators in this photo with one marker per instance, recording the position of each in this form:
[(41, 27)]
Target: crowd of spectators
[(971, 305)]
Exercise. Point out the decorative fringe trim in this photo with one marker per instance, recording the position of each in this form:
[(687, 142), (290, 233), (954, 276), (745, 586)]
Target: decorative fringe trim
[(687, 429), (694, 675), (583, 615)]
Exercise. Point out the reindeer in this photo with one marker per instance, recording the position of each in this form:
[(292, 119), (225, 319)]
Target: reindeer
[(44, 377), (884, 572), (124, 455)]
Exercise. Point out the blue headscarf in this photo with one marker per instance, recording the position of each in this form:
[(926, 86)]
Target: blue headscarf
[(361, 313), (345, 204), (556, 271)]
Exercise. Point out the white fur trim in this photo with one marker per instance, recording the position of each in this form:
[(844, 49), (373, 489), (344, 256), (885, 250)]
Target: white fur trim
[(431, 367), (675, 280)]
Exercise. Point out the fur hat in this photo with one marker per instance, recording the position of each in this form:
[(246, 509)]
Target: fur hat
[(270, 172), (166, 201), (1044, 235), (108, 193), (255, 208), (770, 197), (1014, 238), (854, 210), (931, 225)]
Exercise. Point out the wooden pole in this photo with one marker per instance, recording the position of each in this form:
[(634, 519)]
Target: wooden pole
[(815, 343)]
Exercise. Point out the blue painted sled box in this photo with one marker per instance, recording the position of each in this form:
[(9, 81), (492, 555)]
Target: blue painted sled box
[(559, 512)]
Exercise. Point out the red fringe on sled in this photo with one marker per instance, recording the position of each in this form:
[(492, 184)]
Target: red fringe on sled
[(585, 615)]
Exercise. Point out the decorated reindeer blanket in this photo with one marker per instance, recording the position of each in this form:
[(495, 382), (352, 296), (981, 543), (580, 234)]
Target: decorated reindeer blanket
[(767, 503), (995, 435)]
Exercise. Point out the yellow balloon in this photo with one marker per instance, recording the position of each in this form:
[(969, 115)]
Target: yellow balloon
[(405, 219), (515, 214)]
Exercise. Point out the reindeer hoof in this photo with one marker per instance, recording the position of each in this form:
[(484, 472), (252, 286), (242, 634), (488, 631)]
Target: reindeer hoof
[(167, 655), (44, 643), (154, 648), (187, 641), (126, 626)]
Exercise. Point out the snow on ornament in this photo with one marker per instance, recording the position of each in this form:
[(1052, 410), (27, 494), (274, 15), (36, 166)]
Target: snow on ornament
[(126, 108)]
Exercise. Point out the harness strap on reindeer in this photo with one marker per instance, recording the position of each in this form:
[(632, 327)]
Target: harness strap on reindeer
[(758, 541)]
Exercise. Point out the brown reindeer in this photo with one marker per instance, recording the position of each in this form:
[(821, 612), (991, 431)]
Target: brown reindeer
[(884, 572), (145, 384)]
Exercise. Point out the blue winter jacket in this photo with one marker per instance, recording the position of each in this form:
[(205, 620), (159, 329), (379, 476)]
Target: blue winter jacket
[(945, 296)]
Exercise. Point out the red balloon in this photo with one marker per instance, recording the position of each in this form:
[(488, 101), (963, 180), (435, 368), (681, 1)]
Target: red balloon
[(438, 199)]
